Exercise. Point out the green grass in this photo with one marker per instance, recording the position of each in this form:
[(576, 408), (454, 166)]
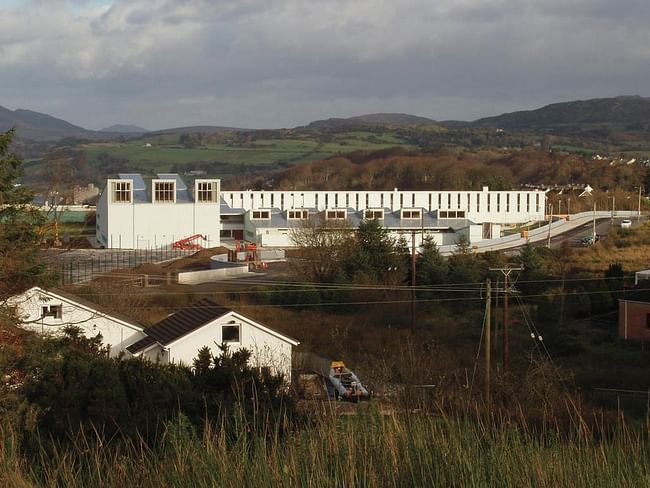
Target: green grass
[(364, 450), (165, 151)]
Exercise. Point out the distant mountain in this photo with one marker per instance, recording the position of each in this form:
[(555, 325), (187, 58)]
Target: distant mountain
[(194, 129), (41, 127), (387, 119), (124, 129), (616, 110)]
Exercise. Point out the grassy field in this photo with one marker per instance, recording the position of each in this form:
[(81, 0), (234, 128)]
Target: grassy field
[(364, 450), (165, 151)]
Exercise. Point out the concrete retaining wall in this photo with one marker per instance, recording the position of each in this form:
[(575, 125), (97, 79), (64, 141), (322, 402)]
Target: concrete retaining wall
[(209, 275)]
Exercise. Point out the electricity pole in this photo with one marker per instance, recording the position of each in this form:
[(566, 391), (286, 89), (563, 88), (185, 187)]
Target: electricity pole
[(488, 322), (506, 343), (412, 281)]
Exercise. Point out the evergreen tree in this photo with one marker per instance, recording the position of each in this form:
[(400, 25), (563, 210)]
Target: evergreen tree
[(21, 265), (431, 267)]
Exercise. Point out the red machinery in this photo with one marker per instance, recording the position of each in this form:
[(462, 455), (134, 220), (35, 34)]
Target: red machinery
[(188, 243)]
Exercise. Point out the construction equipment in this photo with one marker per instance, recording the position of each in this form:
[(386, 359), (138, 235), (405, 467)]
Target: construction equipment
[(332, 378), (189, 243)]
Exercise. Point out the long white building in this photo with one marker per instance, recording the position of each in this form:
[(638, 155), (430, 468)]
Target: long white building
[(131, 214)]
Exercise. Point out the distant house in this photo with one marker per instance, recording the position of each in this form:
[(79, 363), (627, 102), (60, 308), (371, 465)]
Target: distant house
[(634, 320), (178, 338), (50, 311)]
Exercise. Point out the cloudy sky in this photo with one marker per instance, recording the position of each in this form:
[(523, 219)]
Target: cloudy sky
[(281, 63)]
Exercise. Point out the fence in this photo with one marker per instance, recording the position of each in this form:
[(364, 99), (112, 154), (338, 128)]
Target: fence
[(74, 269)]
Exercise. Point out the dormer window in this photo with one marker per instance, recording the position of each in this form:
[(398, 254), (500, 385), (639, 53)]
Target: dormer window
[(412, 213), (121, 191), (335, 214), (260, 214), (298, 214), (206, 191), (451, 214), (164, 191), (370, 214)]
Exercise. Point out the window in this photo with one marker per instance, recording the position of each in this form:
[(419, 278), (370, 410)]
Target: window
[(451, 214), (518, 202), (260, 214), (121, 191), (230, 333), (507, 202), (498, 202), (647, 321), (528, 202), (335, 214), (164, 191), (373, 214), (55, 311), (298, 214), (206, 191), (411, 214)]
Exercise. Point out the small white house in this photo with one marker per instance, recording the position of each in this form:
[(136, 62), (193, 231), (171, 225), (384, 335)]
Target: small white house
[(50, 311), (178, 338)]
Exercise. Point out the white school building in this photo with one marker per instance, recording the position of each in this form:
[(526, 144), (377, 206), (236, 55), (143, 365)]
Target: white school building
[(134, 215)]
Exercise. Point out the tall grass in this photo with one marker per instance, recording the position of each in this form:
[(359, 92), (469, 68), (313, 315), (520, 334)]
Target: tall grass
[(363, 450)]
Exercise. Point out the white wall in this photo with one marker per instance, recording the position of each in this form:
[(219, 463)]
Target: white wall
[(115, 333), (507, 207), (145, 225)]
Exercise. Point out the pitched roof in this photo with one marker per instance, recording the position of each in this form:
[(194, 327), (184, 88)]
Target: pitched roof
[(70, 297), (179, 324)]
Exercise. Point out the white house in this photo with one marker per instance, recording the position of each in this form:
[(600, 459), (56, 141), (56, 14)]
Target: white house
[(50, 311), (178, 338)]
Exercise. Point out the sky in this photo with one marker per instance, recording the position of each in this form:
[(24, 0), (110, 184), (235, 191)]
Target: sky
[(284, 63)]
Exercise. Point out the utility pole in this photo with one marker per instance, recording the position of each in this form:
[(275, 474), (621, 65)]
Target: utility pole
[(488, 322), (550, 221), (506, 344), (638, 215), (412, 281)]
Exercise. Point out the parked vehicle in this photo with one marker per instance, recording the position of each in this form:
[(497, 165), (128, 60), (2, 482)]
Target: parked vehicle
[(626, 224)]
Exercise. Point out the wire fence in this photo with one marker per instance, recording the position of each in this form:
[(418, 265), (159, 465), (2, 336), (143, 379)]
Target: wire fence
[(71, 270)]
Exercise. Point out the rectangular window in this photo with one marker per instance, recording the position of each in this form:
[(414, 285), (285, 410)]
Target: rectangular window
[(356, 201), (401, 200), (260, 214), (448, 200), (121, 191), (272, 199), (429, 202), (381, 200), (488, 203), (230, 333), (458, 204), (282, 201), (478, 202), (537, 202), (206, 191), (367, 200), (55, 311), (411, 214), (335, 214), (528, 202), (452, 214), (302, 214), (498, 202), (373, 214), (507, 202), (316, 200), (164, 191), (518, 202), (647, 321), (439, 200), (412, 199)]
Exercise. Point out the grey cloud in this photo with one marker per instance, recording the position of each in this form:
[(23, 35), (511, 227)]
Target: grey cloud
[(284, 62)]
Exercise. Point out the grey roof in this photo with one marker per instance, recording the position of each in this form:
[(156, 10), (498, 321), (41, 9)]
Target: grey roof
[(392, 220), (182, 195), (179, 324), (140, 194)]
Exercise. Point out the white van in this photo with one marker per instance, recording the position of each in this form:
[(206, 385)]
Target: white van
[(626, 224)]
